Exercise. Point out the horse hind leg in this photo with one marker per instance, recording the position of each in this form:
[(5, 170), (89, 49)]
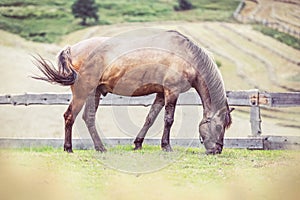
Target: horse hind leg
[(155, 109), (69, 121), (170, 104), (89, 117), (70, 116)]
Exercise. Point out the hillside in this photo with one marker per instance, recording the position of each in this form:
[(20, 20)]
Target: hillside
[(48, 20), (248, 60), (281, 14)]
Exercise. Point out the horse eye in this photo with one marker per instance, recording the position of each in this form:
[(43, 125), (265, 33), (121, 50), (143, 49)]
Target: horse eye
[(218, 128)]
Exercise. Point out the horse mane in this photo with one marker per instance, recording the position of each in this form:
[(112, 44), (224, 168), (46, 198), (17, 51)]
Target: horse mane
[(204, 63)]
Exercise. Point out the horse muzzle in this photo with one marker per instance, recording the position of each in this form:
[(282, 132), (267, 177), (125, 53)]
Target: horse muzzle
[(217, 149)]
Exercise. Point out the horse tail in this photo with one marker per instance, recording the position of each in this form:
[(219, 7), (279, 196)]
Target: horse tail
[(64, 75)]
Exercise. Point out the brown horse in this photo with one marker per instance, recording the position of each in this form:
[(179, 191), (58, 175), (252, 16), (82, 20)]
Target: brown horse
[(163, 62)]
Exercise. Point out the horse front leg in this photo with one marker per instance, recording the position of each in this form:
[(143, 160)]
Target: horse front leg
[(155, 109), (170, 104), (89, 117)]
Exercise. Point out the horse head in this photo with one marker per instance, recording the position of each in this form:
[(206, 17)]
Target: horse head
[(212, 130)]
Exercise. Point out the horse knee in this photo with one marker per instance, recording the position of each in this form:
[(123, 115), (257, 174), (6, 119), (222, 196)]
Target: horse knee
[(169, 121), (68, 117), (86, 119)]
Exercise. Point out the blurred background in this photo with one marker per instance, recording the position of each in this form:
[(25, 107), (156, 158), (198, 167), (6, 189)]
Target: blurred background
[(255, 44)]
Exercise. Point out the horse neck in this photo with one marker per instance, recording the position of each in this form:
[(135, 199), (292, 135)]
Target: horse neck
[(211, 105), (209, 85)]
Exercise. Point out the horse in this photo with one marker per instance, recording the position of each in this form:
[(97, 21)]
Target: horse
[(166, 63)]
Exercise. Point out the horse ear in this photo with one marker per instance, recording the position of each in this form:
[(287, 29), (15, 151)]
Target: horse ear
[(68, 50), (228, 118)]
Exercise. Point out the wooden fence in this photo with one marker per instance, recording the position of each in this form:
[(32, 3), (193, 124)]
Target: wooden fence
[(250, 98)]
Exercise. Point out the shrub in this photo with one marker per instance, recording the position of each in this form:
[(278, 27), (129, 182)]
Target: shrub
[(184, 5)]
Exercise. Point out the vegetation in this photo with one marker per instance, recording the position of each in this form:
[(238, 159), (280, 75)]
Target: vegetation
[(280, 36), (48, 20), (55, 174), (183, 5), (85, 9)]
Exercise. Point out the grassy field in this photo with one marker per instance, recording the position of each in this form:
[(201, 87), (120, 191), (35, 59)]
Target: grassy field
[(48, 20), (46, 173)]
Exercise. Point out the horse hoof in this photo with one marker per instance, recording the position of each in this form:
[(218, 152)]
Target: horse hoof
[(68, 150), (138, 142), (101, 149), (137, 148), (167, 148)]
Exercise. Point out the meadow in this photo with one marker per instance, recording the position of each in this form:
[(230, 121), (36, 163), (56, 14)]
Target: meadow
[(49, 173)]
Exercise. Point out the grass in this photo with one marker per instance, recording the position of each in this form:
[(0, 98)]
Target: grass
[(48, 20), (191, 174), (280, 36)]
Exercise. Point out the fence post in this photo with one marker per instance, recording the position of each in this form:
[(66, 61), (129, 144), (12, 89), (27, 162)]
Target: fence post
[(255, 119)]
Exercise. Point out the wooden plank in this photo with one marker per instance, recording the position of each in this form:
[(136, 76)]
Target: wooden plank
[(242, 98), (248, 143), (36, 99), (253, 143), (281, 142), (116, 100), (266, 142), (290, 99), (235, 98)]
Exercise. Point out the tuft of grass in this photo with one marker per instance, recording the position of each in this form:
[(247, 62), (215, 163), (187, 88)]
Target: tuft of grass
[(45, 149)]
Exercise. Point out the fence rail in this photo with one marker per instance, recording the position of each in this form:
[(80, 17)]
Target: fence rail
[(249, 98), (235, 98)]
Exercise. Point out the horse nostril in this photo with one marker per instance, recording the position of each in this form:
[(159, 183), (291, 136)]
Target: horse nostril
[(219, 148)]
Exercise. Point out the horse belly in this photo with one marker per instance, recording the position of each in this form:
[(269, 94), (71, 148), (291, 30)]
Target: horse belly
[(142, 90), (137, 84)]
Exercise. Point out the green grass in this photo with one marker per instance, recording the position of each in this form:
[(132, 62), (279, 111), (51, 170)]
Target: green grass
[(280, 36), (189, 174), (48, 20)]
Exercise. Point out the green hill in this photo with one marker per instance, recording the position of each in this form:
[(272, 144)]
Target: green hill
[(48, 20)]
